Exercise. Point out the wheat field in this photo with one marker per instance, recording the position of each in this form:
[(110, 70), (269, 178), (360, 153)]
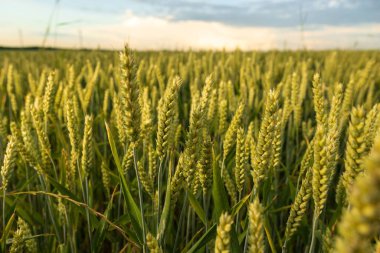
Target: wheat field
[(210, 151)]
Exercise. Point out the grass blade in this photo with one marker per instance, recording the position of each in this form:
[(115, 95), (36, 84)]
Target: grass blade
[(208, 236), (197, 208), (131, 205)]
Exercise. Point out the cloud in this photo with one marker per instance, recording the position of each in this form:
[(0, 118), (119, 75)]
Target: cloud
[(150, 32), (276, 13), (152, 29)]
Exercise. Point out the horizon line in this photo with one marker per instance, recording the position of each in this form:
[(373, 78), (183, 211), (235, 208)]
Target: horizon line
[(57, 48)]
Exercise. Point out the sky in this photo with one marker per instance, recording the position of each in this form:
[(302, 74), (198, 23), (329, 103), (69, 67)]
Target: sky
[(195, 24)]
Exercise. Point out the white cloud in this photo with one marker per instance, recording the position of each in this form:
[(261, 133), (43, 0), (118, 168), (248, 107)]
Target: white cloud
[(326, 4), (150, 32)]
